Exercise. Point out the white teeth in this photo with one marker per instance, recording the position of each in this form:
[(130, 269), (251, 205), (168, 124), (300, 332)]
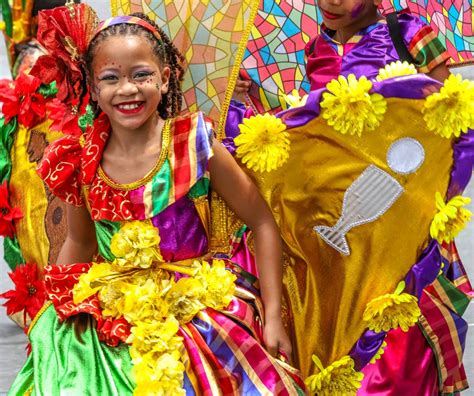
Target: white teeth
[(129, 106)]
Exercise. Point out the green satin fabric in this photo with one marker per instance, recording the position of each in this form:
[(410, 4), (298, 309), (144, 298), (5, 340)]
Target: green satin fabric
[(68, 359)]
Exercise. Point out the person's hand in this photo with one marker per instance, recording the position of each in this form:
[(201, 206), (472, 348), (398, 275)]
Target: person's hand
[(241, 89), (275, 337)]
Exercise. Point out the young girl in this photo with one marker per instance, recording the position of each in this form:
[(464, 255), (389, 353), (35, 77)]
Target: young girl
[(139, 305)]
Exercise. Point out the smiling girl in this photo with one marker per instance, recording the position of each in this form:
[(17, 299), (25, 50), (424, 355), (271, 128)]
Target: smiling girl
[(139, 304)]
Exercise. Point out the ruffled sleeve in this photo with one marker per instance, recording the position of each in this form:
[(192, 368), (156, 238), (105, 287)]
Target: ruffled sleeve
[(60, 169), (422, 43)]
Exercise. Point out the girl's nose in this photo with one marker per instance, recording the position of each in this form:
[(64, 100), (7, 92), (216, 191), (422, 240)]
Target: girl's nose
[(127, 87)]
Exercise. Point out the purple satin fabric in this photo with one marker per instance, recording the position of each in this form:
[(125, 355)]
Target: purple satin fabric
[(372, 52), (235, 116), (407, 367), (463, 164), (181, 231)]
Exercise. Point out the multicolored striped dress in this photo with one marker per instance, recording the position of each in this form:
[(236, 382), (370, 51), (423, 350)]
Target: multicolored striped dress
[(76, 348)]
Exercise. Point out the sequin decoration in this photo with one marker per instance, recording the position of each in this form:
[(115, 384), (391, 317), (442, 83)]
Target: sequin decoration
[(405, 156), (366, 199)]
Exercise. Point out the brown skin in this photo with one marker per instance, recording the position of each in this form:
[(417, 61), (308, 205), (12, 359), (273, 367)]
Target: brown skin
[(132, 150)]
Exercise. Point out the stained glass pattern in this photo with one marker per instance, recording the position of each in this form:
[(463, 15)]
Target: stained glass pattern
[(274, 58)]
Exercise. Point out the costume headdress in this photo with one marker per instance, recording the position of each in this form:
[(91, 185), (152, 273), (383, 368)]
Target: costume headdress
[(127, 19)]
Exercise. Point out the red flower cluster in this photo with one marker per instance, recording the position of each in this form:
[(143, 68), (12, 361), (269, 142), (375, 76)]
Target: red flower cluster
[(7, 213), (29, 294), (21, 99)]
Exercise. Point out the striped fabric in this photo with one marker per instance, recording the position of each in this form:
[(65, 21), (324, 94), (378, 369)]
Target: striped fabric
[(189, 151), (427, 50), (442, 305)]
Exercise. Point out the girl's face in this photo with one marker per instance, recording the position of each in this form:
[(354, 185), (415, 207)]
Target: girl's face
[(339, 14), (127, 80)]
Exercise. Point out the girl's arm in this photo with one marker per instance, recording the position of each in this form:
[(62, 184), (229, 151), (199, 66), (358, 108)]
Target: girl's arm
[(242, 196), (81, 243)]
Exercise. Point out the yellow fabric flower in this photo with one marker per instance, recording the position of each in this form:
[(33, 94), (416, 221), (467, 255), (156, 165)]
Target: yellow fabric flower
[(154, 336), (184, 299), (450, 219), (349, 108), (161, 375), (379, 353), (136, 244), (396, 69), (263, 143), (295, 100), (391, 311), (338, 379), (90, 282), (145, 301), (451, 110), (218, 283)]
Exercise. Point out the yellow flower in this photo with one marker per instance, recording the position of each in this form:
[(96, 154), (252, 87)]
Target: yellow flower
[(295, 100), (154, 336), (391, 311), (159, 375), (184, 299), (338, 379), (144, 301), (349, 108), (379, 353), (263, 143), (450, 219), (111, 299), (396, 69), (136, 244), (451, 110), (218, 283), (90, 282)]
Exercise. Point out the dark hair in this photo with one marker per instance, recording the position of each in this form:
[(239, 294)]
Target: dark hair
[(165, 51)]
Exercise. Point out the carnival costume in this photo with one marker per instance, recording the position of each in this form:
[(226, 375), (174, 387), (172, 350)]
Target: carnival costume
[(156, 311), (360, 178)]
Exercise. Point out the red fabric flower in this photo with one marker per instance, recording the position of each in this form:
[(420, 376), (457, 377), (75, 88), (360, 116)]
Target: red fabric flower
[(21, 99), (29, 294), (64, 118), (7, 213)]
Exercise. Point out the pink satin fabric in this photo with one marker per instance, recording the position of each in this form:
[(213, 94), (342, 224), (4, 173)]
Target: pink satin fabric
[(408, 367)]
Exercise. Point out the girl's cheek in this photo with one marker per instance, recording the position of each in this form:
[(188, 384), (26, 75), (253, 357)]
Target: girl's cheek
[(357, 10)]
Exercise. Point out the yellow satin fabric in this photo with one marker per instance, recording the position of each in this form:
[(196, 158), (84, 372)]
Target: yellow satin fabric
[(328, 292), (28, 192)]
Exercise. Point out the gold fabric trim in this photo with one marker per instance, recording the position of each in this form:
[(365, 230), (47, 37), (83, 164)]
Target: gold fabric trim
[(220, 133), (165, 141), (38, 315)]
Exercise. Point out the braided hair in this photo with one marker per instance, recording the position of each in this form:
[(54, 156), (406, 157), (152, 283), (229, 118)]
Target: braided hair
[(165, 51)]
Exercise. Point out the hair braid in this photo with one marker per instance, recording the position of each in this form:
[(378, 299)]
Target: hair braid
[(165, 51)]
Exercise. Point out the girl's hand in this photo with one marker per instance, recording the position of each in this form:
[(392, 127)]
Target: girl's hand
[(275, 338)]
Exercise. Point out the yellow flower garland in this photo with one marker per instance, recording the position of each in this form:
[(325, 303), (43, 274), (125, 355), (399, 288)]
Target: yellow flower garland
[(396, 69), (451, 110), (294, 99), (263, 143), (349, 107), (450, 219), (338, 379), (391, 311), (139, 287)]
